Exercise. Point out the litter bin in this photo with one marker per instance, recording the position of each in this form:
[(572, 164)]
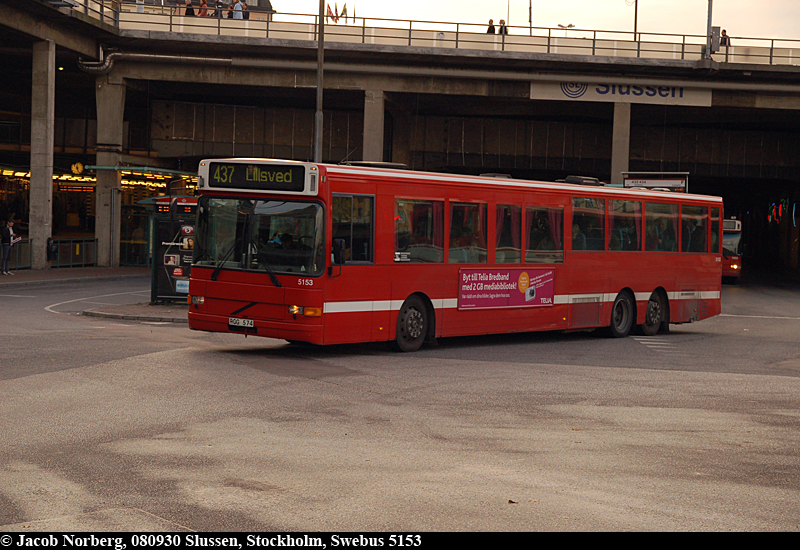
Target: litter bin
[(52, 250)]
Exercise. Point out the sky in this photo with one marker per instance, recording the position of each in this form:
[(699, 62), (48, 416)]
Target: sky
[(741, 18)]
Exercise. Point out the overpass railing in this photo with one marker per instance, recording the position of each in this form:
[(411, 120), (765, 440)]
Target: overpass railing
[(166, 16)]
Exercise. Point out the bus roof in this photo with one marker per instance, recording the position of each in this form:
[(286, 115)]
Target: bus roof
[(522, 184), (412, 175)]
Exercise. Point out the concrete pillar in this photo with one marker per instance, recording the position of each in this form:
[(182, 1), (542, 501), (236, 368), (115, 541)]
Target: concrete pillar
[(43, 114), (401, 136), (620, 142), (110, 97), (373, 125)]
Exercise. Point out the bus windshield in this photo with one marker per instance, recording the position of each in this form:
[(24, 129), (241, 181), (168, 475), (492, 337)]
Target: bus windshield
[(730, 244), (270, 235)]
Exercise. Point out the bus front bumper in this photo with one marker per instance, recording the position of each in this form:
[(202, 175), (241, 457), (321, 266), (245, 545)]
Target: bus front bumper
[(299, 332)]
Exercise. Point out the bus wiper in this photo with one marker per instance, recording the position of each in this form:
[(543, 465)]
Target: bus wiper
[(259, 254), (263, 259), (224, 259)]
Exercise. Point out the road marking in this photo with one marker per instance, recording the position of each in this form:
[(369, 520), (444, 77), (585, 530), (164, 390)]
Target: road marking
[(759, 317), (658, 343), (86, 299)]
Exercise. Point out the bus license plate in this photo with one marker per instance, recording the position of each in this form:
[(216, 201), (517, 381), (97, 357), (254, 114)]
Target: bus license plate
[(234, 322)]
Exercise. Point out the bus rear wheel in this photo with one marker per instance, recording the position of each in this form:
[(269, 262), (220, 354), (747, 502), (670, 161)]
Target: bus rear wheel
[(412, 325), (654, 316), (622, 315)]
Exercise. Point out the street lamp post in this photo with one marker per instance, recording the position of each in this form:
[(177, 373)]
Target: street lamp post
[(635, 4), (708, 31), (566, 28), (318, 117)]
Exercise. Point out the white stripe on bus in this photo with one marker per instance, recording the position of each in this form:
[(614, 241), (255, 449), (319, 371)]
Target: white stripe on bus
[(452, 303)]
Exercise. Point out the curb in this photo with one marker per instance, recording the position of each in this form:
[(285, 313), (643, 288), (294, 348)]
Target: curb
[(122, 316)]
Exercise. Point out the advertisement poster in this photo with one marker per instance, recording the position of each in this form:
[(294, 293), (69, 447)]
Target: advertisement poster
[(173, 261), (495, 288)]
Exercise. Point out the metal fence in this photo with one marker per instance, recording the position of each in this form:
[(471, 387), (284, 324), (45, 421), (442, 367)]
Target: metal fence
[(166, 16), (82, 252), (134, 245), (65, 253), (74, 253), (21, 255)]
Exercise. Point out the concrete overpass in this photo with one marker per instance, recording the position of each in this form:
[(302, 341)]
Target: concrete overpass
[(155, 88)]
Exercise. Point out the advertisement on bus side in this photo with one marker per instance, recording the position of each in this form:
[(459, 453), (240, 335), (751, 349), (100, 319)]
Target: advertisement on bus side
[(497, 288)]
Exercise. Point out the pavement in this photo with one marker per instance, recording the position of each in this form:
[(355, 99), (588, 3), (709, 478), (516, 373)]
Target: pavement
[(166, 312)]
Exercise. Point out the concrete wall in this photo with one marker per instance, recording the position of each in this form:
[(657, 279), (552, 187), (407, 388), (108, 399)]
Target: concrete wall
[(181, 129), (476, 143)]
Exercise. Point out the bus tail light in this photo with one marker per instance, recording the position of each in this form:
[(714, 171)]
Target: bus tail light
[(305, 311)]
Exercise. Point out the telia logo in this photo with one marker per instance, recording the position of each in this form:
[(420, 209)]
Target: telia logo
[(574, 90)]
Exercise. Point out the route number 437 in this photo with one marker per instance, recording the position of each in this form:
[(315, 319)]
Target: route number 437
[(405, 540)]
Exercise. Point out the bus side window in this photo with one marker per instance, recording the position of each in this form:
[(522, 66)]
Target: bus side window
[(545, 235), (509, 231), (715, 230), (353, 223), (467, 233), (362, 236), (418, 230), (694, 227), (625, 225), (660, 227), (588, 215)]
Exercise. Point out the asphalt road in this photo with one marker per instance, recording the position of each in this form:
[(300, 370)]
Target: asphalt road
[(132, 426)]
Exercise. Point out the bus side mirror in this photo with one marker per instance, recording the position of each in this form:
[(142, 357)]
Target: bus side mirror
[(338, 251)]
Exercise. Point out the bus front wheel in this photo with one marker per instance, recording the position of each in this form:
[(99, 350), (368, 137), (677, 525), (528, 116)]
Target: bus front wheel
[(622, 315), (412, 325)]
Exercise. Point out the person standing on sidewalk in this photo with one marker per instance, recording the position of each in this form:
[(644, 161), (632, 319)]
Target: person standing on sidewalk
[(7, 240)]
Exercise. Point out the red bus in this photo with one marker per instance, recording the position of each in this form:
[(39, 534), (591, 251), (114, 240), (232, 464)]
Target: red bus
[(732, 249), (333, 254)]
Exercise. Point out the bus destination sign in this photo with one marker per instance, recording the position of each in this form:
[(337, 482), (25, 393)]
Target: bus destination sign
[(266, 177)]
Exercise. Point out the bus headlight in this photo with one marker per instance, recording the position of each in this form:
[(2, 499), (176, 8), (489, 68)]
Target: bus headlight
[(734, 266), (198, 301)]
